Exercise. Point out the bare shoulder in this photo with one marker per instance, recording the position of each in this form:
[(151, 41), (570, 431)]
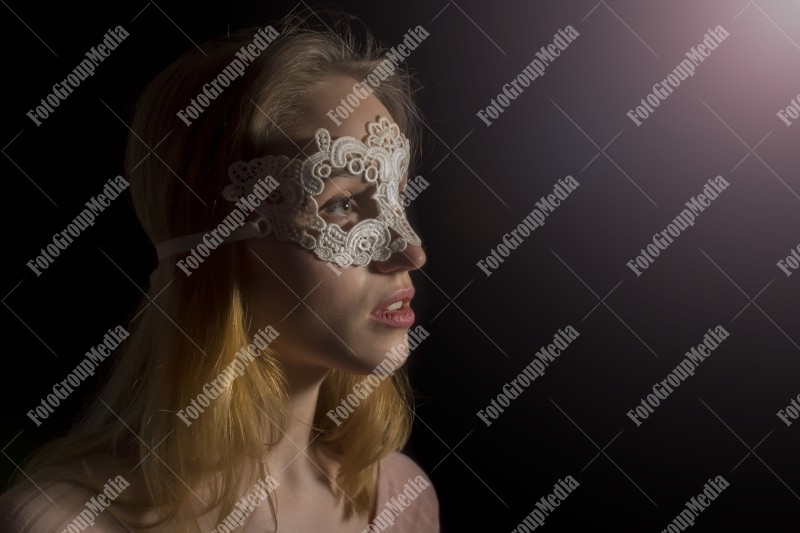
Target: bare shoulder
[(52, 500), (406, 496)]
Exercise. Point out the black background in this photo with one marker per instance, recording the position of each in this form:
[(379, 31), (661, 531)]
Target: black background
[(483, 182)]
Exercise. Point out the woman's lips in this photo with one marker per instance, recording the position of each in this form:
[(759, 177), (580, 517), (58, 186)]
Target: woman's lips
[(396, 318), (401, 318)]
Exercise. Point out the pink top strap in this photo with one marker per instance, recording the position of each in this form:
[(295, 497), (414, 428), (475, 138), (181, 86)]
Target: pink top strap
[(406, 501)]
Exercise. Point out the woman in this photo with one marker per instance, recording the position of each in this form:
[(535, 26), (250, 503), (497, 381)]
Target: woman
[(282, 289)]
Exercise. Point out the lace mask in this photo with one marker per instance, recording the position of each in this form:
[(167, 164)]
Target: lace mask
[(290, 212)]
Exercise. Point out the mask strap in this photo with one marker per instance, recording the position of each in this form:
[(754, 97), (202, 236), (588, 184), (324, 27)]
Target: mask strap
[(249, 230)]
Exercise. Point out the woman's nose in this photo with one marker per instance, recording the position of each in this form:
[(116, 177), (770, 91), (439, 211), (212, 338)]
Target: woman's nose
[(411, 258)]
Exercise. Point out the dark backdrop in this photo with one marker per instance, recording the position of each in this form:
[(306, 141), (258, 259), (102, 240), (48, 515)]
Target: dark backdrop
[(484, 180)]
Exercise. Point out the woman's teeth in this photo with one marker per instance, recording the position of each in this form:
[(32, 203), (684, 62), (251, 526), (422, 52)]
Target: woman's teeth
[(395, 306)]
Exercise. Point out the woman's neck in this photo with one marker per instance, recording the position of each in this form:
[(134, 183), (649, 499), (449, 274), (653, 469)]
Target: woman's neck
[(297, 456)]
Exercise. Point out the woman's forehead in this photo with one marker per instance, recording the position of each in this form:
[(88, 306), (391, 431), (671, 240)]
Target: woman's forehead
[(301, 146), (340, 102)]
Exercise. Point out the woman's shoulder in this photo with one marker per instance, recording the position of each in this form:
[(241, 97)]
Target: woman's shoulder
[(53, 500), (406, 498)]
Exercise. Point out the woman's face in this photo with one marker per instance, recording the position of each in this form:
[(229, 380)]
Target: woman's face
[(324, 314)]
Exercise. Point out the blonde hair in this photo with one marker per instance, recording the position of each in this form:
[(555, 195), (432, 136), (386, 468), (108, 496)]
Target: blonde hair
[(160, 368)]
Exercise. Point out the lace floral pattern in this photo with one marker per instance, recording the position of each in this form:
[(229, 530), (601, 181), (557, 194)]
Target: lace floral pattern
[(291, 211)]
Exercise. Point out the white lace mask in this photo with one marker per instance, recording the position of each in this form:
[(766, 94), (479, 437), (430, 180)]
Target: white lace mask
[(291, 212)]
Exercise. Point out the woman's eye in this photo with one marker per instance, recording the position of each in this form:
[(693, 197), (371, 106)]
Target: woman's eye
[(341, 206)]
